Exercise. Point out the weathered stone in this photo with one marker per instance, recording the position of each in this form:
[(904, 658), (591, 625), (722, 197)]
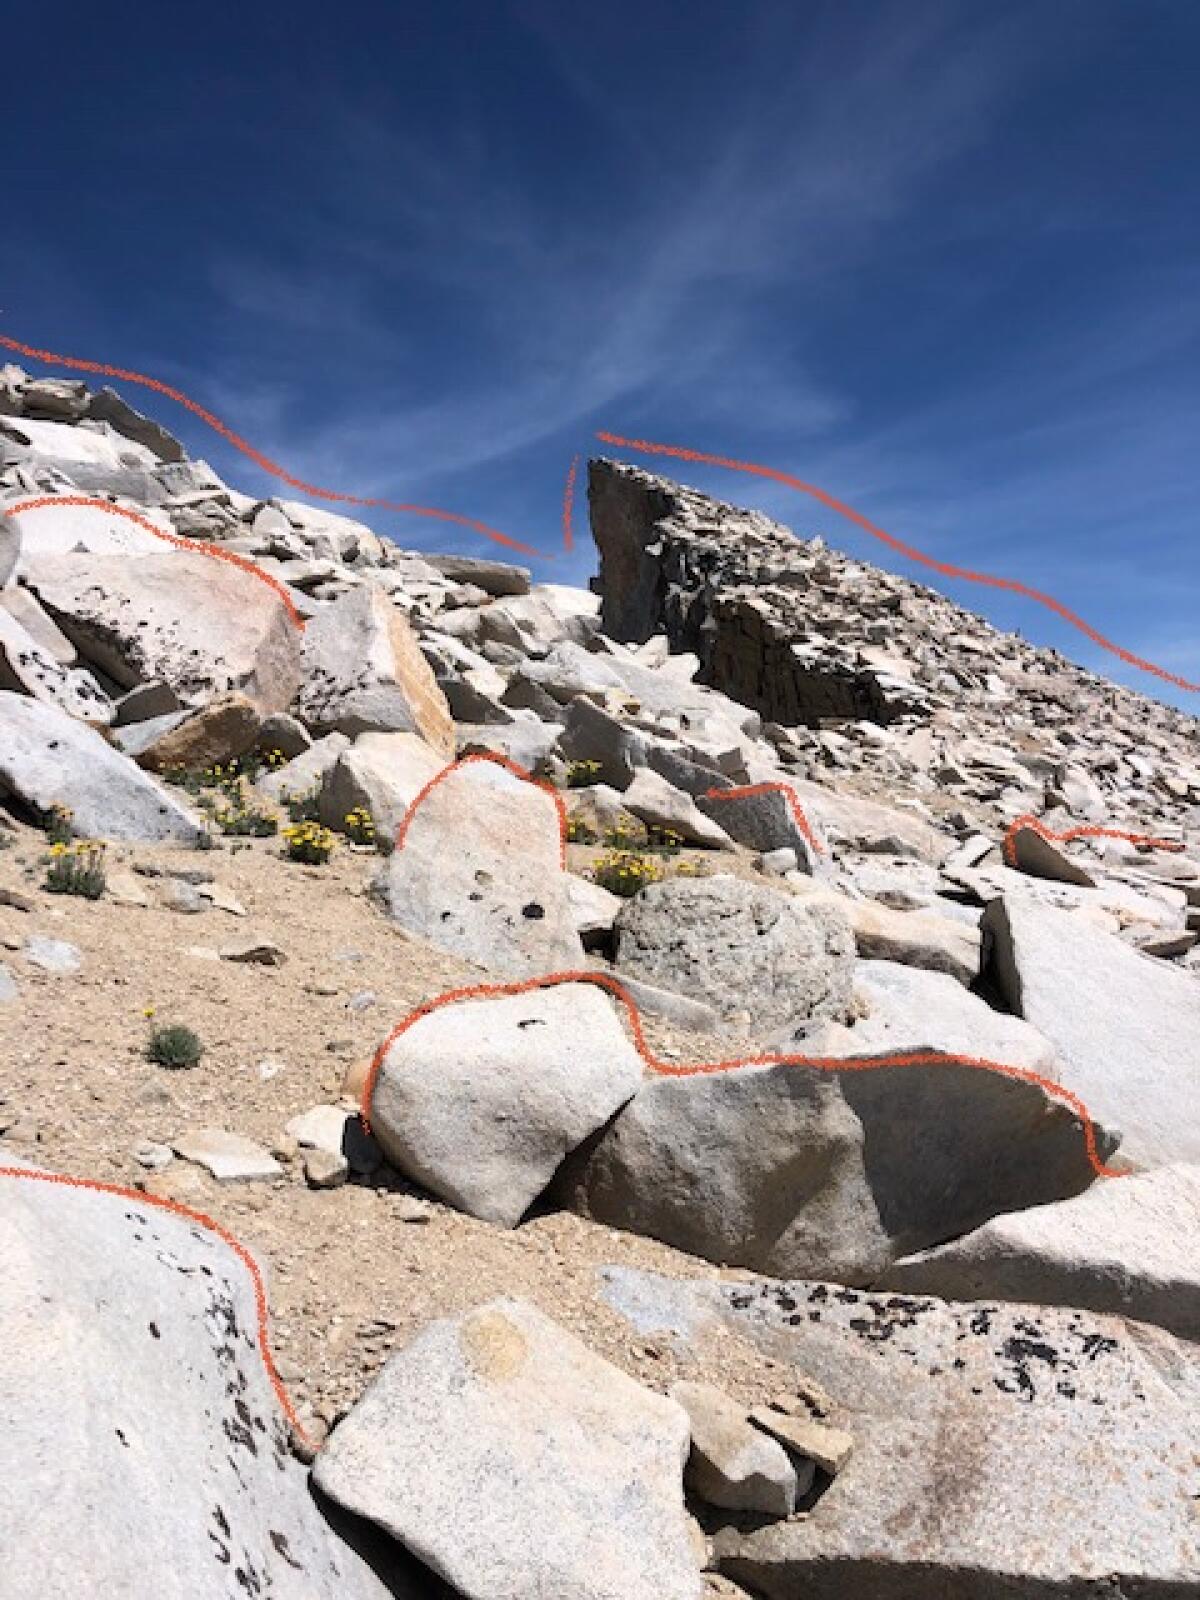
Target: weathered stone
[(24, 609), (364, 673), (518, 1465), (133, 1392), (284, 734), (913, 938), (382, 773), (480, 1101), (694, 1015), (478, 873), (591, 734), (198, 624), (1126, 1246), (765, 821), (1033, 852), (149, 702), (303, 774), (732, 1464), (493, 577), (52, 955), (910, 1009), (977, 1431), (743, 946), (211, 736), (253, 953), (1126, 1028), (49, 759), (108, 406)]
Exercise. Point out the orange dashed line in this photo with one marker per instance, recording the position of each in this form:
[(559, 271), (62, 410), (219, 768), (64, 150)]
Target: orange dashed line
[(945, 568), (57, 501), (744, 792), (568, 505), (259, 459), (669, 1069), (222, 1233), (1085, 831)]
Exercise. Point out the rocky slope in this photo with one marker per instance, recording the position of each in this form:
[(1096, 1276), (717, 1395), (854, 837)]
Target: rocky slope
[(817, 1215)]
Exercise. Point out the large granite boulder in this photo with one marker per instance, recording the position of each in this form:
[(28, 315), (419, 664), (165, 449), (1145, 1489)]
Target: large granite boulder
[(364, 673), (144, 1449), (1001, 1452), (478, 872), (480, 1101), (199, 624), (828, 1172), (743, 946), (1127, 1246)]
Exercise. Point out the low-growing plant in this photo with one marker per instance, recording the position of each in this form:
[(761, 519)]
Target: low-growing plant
[(241, 814), (625, 835), (174, 1047), (624, 872), (76, 869), (301, 806), (578, 831), (309, 841), (582, 773), (59, 824), (663, 841), (360, 826)]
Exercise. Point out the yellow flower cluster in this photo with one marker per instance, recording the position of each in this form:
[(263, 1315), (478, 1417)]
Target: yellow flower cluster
[(76, 869), (309, 841), (624, 872), (578, 831), (581, 773), (360, 825)]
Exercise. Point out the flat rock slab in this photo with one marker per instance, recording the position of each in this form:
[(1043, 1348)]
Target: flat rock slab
[(481, 1101), (145, 1452), (1001, 1452), (1034, 853), (49, 759), (518, 1465), (479, 874), (229, 1157), (52, 955), (381, 773), (1129, 1246), (27, 668), (1126, 1027), (800, 1170)]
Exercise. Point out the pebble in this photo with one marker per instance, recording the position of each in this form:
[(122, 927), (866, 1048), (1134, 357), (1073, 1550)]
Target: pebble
[(52, 955), (153, 1156)]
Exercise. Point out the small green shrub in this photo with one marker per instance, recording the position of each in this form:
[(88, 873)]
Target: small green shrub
[(663, 841), (301, 807), (578, 831), (174, 1047), (76, 869)]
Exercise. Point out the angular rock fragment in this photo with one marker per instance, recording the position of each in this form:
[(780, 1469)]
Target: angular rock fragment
[(732, 1463), (518, 1465)]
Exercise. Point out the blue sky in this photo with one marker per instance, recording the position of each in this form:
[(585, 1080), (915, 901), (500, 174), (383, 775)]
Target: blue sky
[(941, 258)]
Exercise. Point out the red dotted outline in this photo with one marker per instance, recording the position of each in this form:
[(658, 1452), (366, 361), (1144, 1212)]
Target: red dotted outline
[(1084, 831)]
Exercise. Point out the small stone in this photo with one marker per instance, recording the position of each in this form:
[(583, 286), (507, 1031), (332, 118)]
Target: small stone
[(52, 955), (123, 889), (153, 1156), (407, 1208), (8, 985), (779, 861), (178, 895), (363, 1001), (284, 1147), (223, 899), (270, 1068), (733, 1464), (324, 1170)]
